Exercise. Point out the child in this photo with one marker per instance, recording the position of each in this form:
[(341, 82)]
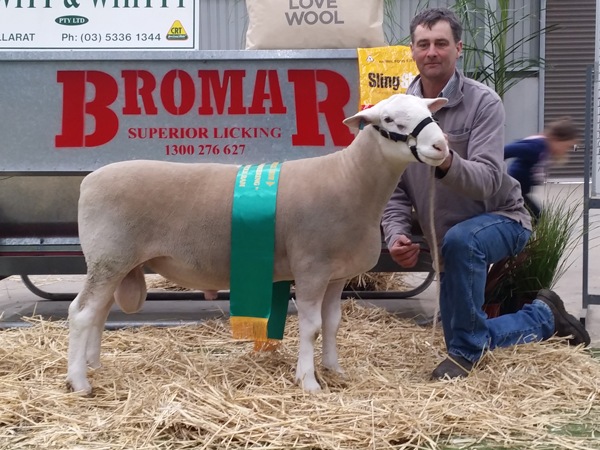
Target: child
[(534, 154)]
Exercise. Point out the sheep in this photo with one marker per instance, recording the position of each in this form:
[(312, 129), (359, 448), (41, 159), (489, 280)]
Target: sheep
[(175, 218)]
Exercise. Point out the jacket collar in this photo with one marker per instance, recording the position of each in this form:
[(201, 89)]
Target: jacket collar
[(456, 94)]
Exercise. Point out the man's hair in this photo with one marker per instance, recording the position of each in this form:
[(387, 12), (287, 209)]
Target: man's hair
[(563, 129), (429, 17)]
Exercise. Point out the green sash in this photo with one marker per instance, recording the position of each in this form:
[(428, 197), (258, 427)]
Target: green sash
[(258, 306)]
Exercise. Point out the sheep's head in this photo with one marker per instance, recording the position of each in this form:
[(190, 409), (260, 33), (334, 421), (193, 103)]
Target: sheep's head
[(405, 120)]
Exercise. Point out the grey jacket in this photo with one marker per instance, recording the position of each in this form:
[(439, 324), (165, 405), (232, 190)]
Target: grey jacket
[(476, 182)]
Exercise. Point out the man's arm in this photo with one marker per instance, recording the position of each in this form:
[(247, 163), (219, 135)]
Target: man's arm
[(479, 177)]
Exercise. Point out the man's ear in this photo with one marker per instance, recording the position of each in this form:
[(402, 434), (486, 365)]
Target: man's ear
[(459, 48), (435, 104)]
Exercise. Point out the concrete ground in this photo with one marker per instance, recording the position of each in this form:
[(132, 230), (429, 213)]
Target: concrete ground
[(16, 301)]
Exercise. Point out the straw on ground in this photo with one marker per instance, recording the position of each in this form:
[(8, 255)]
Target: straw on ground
[(195, 387)]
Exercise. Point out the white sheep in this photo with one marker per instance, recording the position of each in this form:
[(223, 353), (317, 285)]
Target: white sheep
[(175, 218)]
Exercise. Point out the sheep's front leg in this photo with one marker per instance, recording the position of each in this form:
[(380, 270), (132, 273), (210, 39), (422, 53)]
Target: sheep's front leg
[(331, 312), (309, 298)]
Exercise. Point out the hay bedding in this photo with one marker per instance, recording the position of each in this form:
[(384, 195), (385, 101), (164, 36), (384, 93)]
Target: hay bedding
[(195, 387)]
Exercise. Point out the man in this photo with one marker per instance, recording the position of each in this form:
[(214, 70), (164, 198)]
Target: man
[(479, 213)]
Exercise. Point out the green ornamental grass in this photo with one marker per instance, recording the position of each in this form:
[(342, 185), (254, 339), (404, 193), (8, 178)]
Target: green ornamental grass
[(545, 258)]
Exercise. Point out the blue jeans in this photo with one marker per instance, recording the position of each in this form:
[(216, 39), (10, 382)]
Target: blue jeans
[(467, 249)]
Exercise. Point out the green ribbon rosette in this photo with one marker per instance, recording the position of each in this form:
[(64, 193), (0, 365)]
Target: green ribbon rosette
[(258, 306)]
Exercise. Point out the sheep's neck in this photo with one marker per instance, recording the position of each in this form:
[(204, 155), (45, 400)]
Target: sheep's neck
[(369, 173)]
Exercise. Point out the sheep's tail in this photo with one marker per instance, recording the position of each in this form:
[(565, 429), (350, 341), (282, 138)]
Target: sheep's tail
[(131, 293), (434, 248)]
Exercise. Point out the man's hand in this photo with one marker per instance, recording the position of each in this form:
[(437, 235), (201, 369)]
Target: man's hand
[(448, 161), (404, 252)]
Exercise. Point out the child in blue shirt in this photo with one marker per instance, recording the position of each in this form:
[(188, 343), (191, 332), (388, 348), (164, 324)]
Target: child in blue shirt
[(534, 154)]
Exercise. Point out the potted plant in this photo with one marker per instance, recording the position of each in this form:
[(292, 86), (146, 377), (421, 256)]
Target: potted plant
[(516, 280)]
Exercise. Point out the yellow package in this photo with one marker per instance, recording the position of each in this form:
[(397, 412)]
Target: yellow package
[(384, 71)]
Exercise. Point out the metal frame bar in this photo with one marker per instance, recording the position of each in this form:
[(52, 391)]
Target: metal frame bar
[(542, 72), (588, 202), (185, 55), (588, 142), (116, 325), (224, 295)]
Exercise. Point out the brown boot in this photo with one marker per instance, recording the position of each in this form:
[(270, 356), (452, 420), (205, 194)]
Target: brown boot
[(564, 323), (452, 367)]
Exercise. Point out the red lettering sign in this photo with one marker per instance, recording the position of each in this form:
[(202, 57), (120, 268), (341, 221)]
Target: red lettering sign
[(167, 92), (75, 108), (178, 94), (260, 95), (132, 106), (211, 82)]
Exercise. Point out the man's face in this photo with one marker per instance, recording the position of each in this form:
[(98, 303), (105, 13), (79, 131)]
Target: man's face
[(435, 51)]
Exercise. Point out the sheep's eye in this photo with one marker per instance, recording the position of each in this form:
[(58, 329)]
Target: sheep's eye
[(388, 119)]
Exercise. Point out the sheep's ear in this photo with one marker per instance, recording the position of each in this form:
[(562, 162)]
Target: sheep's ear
[(366, 116), (435, 104), (369, 116)]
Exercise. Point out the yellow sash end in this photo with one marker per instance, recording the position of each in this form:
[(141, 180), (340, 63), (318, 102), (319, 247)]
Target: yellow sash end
[(268, 346), (253, 328)]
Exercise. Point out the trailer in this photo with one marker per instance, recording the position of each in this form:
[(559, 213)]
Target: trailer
[(68, 113)]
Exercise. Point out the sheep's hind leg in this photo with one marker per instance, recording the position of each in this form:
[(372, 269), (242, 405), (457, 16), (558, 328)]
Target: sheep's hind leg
[(84, 313), (309, 294), (331, 311), (95, 337)]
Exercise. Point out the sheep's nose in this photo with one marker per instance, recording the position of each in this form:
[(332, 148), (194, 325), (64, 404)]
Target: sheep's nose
[(440, 145)]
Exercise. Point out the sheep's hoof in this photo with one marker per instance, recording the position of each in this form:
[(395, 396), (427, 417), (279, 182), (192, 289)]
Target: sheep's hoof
[(337, 370), (310, 385), (84, 388)]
